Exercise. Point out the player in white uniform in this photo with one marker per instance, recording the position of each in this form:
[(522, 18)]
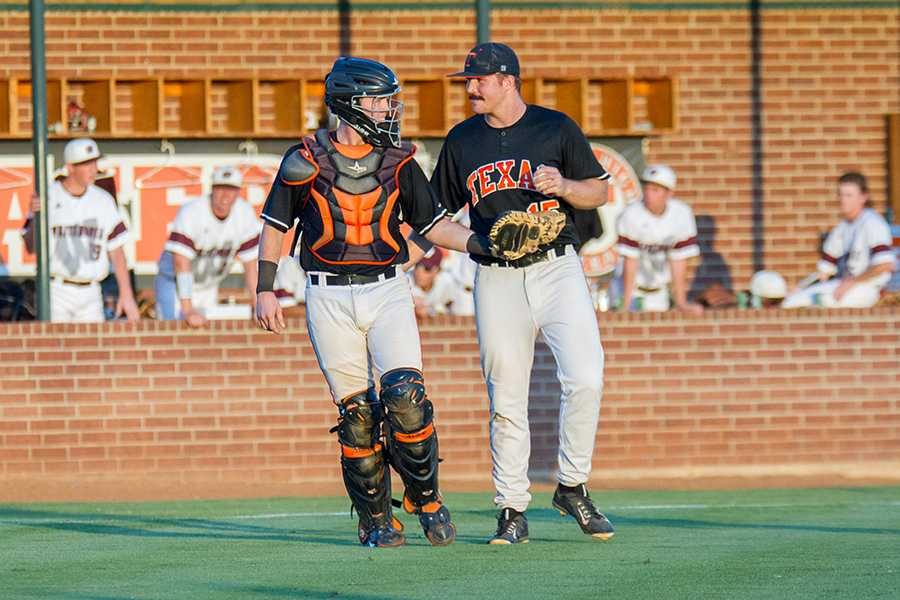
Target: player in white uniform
[(207, 236), (86, 235), (656, 237), (857, 259)]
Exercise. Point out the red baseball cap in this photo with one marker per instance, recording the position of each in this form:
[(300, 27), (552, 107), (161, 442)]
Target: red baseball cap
[(432, 260)]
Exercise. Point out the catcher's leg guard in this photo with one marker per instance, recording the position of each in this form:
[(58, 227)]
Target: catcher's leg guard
[(365, 471), (413, 451)]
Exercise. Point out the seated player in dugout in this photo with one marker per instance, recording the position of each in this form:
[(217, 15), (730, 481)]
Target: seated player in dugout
[(348, 192), (857, 259)]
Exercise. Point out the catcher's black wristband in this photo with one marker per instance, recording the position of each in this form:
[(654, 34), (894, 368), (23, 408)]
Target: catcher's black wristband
[(266, 280), (479, 244), (420, 241)]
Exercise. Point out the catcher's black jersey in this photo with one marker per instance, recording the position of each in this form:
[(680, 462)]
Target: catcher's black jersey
[(416, 204), (491, 169)]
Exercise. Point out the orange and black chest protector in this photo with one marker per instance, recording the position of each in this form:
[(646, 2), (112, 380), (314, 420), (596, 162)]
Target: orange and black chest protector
[(350, 216)]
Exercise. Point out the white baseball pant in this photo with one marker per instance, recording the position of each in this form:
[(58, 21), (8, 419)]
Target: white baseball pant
[(351, 324), (73, 303), (861, 295), (511, 306)]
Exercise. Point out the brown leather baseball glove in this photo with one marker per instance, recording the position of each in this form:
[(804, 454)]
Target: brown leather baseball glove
[(516, 233)]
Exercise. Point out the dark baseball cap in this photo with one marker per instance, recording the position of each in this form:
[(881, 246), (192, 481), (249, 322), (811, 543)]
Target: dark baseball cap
[(489, 58)]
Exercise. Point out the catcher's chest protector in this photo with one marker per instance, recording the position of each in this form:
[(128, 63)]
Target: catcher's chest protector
[(351, 204)]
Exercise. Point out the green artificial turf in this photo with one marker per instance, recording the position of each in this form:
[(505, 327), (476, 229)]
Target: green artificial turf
[(798, 543)]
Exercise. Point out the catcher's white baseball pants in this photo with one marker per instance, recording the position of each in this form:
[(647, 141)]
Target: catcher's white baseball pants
[(72, 303), (360, 331), (511, 307)]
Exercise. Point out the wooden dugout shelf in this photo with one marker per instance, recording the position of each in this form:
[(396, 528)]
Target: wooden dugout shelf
[(286, 107)]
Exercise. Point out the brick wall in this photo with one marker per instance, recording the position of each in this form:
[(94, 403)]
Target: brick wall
[(157, 410), (829, 78)]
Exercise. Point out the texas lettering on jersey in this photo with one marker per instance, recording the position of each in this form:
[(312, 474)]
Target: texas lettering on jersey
[(500, 175)]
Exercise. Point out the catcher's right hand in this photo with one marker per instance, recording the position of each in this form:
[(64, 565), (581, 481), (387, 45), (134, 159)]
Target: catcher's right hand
[(516, 233)]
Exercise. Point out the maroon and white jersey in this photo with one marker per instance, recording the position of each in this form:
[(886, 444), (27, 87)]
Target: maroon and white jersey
[(82, 230), (656, 239), (210, 243), (854, 246)]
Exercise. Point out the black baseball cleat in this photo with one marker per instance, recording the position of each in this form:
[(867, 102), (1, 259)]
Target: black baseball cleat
[(576, 502), (512, 528), (380, 533), (435, 521)]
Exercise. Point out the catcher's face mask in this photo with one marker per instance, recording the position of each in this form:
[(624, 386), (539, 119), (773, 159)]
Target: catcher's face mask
[(383, 112), (363, 94)]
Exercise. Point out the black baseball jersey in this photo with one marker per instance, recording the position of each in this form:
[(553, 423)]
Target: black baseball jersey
[(416, 204), (491, 169)]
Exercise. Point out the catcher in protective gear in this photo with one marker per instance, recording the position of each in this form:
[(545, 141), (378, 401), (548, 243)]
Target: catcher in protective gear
[(516, 233)]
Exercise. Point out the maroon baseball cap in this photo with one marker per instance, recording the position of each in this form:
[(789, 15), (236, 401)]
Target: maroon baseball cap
[(489, 58), (433, 260)]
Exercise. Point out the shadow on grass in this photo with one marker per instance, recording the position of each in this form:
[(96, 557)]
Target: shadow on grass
[(161, 527), (248, 591), (79, 596), (700, 524)]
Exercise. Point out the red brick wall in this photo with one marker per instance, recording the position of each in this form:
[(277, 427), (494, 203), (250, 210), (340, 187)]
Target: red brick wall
[(157, 410), (829, 78)]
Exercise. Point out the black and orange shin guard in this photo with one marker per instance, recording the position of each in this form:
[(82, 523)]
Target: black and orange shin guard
[(365, 470), (412, 442)]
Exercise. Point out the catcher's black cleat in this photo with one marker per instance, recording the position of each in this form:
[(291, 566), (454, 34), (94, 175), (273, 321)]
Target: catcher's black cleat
[(380, 534), (435, 521), (512, 528), (576, 502)]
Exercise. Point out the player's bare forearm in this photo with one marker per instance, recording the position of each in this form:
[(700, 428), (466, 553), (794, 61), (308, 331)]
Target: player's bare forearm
[(120, 269), (450, 235), (270, 241), (629, 274), (679, 281), (679, 288), (250, 278), (586, 194), (268, 311), (580, 193), (126, 304)]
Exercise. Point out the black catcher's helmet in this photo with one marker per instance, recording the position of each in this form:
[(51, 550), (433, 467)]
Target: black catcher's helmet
[(354, 78)]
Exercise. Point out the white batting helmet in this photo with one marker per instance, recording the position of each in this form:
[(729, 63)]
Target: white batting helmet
[(227, 176), (660, 175), (768, 284)]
